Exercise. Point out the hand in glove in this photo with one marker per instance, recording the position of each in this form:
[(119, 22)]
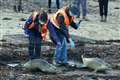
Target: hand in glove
[(77, 21), (72, 44), (78, 25)]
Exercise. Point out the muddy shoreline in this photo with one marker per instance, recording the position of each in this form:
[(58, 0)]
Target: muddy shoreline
[(106, 50)]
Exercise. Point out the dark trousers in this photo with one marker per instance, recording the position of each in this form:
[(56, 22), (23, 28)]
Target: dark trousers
[(34, 46), (103, 5), (20, 8), (57, 3), (82, 4)]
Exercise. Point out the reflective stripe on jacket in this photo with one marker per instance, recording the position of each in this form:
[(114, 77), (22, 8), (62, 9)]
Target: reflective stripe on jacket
[(63, 13)]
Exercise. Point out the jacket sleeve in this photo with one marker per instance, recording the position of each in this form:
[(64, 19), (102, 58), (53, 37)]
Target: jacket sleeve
[(62, 26), (75, 25), (28, 22)]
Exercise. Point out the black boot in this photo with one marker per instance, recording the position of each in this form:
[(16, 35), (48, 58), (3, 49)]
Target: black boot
[(49, 11), (101, 19), (85, 18), (105, 19)]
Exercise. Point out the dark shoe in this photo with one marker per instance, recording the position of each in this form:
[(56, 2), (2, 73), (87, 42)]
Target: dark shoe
[(102, 19), (105, 20), (57, 64), (65, 65), (85, 19), (49, 11)]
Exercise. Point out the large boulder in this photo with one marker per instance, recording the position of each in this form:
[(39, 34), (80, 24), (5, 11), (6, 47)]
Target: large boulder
[(96, 63), (40, 64)]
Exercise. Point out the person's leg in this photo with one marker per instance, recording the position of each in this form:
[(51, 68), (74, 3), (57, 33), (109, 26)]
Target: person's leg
[(64, 51), (31, 47), (15, 8), (105, 9), (101, 9), (56, 40), (37, 46), (84, 8), (78, 4), (49, 6), (18, 8), (57, 55), (58, 4)]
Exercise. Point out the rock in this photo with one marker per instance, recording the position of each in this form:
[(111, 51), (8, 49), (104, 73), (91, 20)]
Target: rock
[(40, 64), (2, 40), (88, 78), (22, 19), (116, 8), (95, 63), (6, 18), (118, 64)]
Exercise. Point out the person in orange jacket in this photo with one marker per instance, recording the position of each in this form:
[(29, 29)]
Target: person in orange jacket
[(58, 27), (36, 29)]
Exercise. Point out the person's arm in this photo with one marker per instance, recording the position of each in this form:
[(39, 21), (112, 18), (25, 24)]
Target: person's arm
[(75, 25), (28, 22)]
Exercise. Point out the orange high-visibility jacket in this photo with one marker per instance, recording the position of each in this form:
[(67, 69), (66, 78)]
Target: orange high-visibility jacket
[(44, 31), (61, 12), (43, 27), (34, 14)]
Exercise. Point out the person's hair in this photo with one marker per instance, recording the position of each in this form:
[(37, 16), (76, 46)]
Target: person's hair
[(43, 16)]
